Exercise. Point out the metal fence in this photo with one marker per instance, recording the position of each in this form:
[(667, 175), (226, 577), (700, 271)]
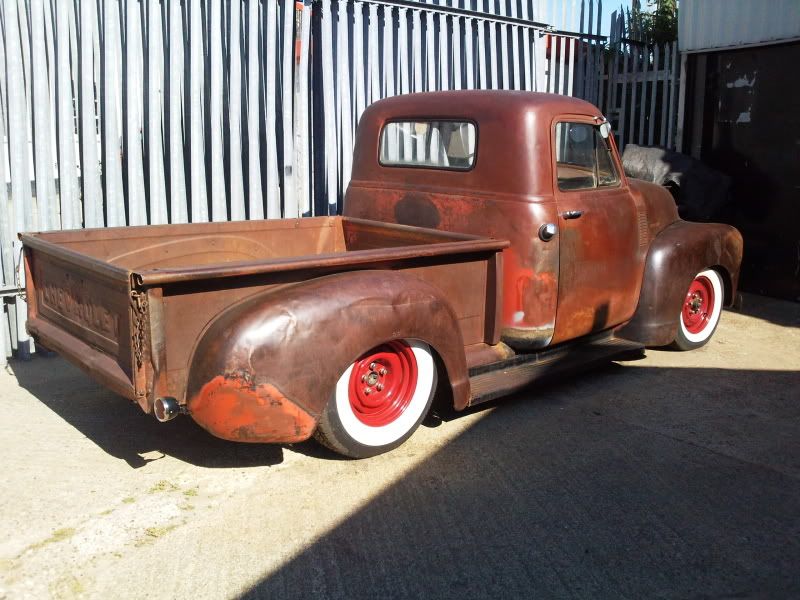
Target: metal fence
[(638, 89), (131, 112)]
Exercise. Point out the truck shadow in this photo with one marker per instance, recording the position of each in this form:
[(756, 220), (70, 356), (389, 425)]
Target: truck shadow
[(120, 427), (122, 430), (635, 482)]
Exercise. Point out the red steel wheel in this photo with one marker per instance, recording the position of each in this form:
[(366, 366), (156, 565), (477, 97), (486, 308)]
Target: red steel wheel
[(698, 305), (380, 399), (382, 383), (701, 310)]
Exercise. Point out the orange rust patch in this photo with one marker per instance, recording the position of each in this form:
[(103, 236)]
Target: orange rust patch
[(235, 410)]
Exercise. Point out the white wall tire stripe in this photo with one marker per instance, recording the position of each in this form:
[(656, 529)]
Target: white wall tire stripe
[(391, 432), (719, 299)]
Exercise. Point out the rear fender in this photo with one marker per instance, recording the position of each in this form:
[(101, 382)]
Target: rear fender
[(264, 370), (675, 256)]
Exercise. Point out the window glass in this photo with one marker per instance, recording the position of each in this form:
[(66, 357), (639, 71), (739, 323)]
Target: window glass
[(583, 157), (438, 144), (606, 171)]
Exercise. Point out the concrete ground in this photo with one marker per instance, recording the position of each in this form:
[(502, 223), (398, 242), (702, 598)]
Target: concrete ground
[(676, 476)]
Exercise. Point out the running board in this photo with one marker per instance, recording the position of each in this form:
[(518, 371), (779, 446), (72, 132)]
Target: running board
[(505, 377)]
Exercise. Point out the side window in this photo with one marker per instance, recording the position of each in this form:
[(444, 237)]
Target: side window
[(434, 144), (583, 157), (606, 171)]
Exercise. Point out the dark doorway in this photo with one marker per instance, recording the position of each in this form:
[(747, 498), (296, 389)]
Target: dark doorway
[(746, 123)]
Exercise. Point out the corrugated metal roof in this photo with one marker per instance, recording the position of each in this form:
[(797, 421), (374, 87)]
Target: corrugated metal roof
[(713, 24)]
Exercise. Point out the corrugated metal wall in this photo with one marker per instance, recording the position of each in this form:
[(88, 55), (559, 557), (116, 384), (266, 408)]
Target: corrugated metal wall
[(714, 24), (131, 112)]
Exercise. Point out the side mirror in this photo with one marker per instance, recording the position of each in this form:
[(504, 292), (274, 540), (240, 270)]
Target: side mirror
[(605, 129)]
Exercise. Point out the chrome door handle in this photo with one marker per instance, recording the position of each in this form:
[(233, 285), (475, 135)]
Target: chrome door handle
[(572, 214), (547, 232)]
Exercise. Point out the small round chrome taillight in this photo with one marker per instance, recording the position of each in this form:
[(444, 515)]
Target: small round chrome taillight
[(166, 409)]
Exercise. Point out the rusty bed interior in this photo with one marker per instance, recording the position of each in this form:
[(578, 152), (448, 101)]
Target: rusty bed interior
[(193, 245)]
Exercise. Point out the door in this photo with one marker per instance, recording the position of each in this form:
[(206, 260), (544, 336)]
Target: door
[(600, 250)]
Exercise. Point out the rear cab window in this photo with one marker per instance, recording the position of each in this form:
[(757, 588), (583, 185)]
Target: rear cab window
[(429, 144), (583, 157)]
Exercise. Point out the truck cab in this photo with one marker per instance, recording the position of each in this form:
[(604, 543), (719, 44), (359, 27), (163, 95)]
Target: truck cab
[(591, 250)]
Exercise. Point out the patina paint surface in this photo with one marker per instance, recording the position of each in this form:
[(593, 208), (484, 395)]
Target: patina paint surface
[(284, 351), (233, 407), (675, 257), (530, 265), (508, 193), (601, 251), (249, 325), (129, 306)]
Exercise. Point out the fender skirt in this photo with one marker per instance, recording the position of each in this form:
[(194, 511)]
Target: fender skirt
[(675, 257), (264, 370)]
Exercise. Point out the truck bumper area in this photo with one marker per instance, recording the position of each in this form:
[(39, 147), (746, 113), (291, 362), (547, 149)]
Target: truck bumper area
[(233, 408)]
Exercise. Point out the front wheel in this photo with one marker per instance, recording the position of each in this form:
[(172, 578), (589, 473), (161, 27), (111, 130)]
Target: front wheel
[(379, 400), (701, 310)]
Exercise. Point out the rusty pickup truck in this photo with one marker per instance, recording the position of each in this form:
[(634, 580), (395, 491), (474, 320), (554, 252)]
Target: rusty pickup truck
[(488, 239)]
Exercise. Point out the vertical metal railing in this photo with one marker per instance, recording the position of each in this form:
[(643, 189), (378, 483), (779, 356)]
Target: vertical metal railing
[(639, 84), (130, 112)]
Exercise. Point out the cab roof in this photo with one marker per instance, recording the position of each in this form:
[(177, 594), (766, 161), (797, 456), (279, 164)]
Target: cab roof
[(513, 148), (456, 103)]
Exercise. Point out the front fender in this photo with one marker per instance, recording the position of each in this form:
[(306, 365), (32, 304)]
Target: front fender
[(675, 256), (265, 368)]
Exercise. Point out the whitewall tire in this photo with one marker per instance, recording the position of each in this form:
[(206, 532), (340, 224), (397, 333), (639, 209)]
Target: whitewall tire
[(380, 399), (701, 310)]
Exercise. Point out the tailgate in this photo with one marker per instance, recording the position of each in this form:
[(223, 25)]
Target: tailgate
[(83, 309)]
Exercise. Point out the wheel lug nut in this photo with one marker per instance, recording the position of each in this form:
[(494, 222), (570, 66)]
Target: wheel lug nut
[(363, 378), (382, 372), (371, 366), (379, 387), (367, 391)]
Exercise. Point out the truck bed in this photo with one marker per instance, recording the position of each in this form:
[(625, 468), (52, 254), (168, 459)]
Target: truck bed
[(128, 304)]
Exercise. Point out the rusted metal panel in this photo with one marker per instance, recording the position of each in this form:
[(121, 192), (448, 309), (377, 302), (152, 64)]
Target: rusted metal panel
[(463, 294), (81, 312), (674, 258), (601, 262), (233, 407), (51, 244), (81, 303), (504, 377), (530, 266), (208, 299), (294, 343), (601, 257), (135, 302), (513, 124), (484, 354), (507, 195), (322, 261)]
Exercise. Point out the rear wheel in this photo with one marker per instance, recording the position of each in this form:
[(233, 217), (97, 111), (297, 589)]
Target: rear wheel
[(379, 400), (701, 310)]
